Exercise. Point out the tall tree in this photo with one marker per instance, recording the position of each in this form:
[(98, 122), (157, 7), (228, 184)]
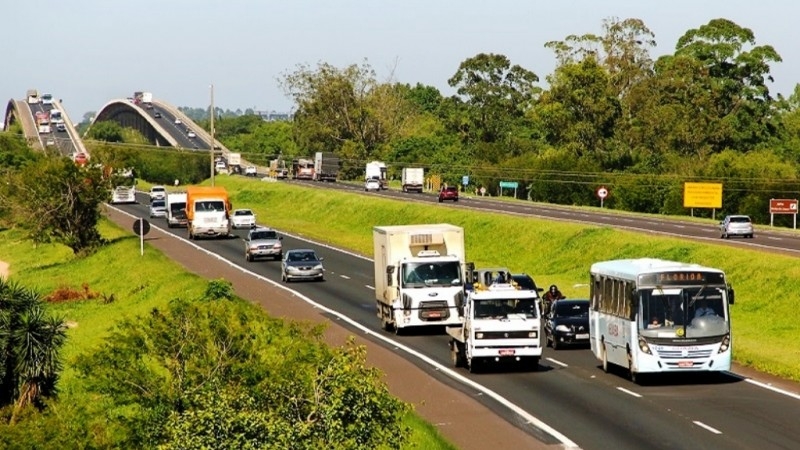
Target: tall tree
[(56, 200), (623, 50), (739, 70), (495, 94)]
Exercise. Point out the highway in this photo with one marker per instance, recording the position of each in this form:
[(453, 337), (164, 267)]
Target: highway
[(58, 139), (780, 240), (569, 393)]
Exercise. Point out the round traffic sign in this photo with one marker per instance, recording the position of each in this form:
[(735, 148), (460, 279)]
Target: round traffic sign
[(602, 192), (141, 227)]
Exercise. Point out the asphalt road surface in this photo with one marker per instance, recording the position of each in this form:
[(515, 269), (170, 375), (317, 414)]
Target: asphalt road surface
[(571, 399)]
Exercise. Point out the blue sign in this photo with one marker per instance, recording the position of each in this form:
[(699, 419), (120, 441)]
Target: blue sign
[(509, 184), (465, 180)]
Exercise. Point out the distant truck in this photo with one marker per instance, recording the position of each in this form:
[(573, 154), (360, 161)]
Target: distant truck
[(277, 169), (499, 323), (303, 169), (326, 166), (208, 211), (33, 96), (377, 169), (176, 209), (123, 186), (412, 179), (419, 275)]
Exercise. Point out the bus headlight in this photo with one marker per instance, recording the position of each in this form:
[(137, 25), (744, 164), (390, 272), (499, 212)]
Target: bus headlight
[(533, 334), (644, 347), (726, 343)]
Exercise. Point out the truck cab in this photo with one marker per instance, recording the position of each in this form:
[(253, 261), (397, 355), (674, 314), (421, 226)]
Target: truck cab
[(500, 323)]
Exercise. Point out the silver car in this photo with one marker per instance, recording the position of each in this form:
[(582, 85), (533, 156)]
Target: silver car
[(158, 208), (736, 225), (302, 264), (262, 242)]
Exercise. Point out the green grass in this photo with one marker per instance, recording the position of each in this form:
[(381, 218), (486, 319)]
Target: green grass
[(138, 284), (552, 252)]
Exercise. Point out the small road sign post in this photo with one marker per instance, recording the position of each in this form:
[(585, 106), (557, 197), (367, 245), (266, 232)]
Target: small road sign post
[(602, 193), (141, 227)]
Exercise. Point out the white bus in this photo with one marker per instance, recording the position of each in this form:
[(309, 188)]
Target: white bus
[(651, 315)]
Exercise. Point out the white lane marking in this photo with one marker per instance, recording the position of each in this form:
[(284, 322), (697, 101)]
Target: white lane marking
[(770, 387), (345, 277), (555, 361), (369, 287), (774, 238), (702, 425), (634, 394), (679, 226), (565, 441)]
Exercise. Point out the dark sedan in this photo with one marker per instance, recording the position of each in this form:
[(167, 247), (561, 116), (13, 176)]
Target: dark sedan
[(567, 323)]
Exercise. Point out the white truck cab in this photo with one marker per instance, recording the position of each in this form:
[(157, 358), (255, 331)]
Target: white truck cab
[(499, 323)]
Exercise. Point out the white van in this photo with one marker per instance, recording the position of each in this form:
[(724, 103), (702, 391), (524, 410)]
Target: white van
[(47, 99)]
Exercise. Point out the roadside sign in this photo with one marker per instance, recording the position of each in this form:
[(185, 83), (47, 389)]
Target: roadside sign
[(465, 180), (602, 192), (509, 184), (141, 227), (702, 195), (782, 206)]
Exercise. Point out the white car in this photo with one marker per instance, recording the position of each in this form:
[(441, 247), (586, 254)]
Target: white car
[(191, 134), (243, 218), (158, 193), (221, 167), (250, 171), (372, 184), (177, 121)]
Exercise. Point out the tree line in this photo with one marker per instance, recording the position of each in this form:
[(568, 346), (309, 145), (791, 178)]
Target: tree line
[(610, 114)]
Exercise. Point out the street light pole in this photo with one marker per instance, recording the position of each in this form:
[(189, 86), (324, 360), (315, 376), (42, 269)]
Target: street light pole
[(212, 135)]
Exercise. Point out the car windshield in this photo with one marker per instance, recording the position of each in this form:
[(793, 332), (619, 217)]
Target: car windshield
[(571, 309), (263, 235), (301, 256), (243, 212), (440, 273)]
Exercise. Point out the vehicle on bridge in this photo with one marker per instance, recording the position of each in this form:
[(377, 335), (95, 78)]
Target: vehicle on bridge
[(47, 99), (33, 96), (56, 117), (651, 315), (42, 122)]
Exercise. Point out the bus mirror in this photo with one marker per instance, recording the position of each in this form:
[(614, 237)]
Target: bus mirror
[(730, 296), (469, 272)]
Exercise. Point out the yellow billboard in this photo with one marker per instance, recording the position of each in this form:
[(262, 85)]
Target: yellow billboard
[(702, 195)]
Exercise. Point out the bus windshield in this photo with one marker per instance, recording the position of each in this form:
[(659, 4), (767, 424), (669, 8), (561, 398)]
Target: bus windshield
[(689, 312), (427, 274)]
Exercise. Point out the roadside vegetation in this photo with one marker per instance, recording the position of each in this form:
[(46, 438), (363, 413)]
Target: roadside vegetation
[(154, 356)]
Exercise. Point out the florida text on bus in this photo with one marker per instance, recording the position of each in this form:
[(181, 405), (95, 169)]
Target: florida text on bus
[(650, 315)]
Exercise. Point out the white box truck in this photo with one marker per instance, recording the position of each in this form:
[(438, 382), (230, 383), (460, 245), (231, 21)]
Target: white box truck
[(419, 275), (413, 179), (176, 209), (377, 169), (499, 323)]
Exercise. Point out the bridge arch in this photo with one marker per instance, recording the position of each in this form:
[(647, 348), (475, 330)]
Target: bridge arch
[(128, 115)]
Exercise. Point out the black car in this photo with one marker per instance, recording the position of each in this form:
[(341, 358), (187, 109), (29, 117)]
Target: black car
[(157, 115), (525, 282), (567, 323)]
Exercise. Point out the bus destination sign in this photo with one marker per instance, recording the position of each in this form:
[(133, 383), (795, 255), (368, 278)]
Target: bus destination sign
[(683, 278)]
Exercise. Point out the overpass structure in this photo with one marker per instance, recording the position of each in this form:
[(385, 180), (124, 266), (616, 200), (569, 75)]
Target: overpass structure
[(159, 122)]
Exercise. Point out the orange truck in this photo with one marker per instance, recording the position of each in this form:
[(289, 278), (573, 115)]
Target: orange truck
[(208, 212)]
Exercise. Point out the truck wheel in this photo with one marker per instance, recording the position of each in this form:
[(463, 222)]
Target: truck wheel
[(534, 364), (472, 365)]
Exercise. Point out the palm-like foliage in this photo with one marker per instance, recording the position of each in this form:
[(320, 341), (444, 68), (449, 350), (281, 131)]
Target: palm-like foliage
[(30, 343)]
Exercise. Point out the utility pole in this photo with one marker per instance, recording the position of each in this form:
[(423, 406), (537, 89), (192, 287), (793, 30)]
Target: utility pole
[(212, 135)]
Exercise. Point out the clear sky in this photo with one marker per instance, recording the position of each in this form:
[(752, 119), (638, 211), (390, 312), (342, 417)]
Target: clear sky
[(88, 52)]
